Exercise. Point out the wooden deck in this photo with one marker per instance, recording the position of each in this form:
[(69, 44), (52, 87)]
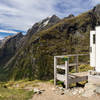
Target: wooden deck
[(74, 77), (69, 78)]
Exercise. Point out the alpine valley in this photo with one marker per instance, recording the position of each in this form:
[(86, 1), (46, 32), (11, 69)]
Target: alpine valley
[(31, 55)]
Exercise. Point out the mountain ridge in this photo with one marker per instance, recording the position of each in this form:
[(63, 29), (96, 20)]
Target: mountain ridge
[(35, 59)]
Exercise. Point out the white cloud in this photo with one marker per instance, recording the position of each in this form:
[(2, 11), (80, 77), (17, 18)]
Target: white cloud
[(21, 14), (95, 2), (7, 31)]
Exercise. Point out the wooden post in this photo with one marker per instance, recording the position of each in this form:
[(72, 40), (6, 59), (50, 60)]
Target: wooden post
[(55, 72), (76, 64), (66, 75)]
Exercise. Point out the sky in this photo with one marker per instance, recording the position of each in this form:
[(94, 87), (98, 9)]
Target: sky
[(20, 15)]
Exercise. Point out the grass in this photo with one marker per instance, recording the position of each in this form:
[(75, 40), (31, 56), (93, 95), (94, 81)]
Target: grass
[(15, 90), (15, 94), (83, 68)]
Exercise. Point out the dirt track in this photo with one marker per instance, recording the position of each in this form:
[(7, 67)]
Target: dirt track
[(50, 94)]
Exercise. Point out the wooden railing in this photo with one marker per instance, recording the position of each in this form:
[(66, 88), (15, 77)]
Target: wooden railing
[(65, 67)]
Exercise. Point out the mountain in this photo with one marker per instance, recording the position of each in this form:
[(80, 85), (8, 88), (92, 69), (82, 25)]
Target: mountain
[(47, 39), (44, 24), (39, 26), (9, 46)]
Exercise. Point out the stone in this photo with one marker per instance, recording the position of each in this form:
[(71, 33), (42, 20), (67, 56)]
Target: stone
[(97, 90), (75, 91), (62, 93), (61, 88), (81, 90), (88, 93), (89, 90), (38, 91)]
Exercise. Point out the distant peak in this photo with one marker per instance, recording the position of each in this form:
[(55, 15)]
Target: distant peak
[(54, 16)]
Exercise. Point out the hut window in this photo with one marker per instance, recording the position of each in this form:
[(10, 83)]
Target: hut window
[(90, 49), (93, 38)]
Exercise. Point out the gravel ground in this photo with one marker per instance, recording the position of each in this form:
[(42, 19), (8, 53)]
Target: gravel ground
[(52, 93)]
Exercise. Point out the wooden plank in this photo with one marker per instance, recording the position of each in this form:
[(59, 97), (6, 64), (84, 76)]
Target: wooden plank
[(61, 77), (61, 67), (80, 74), (71, 55), (72, 76), (55, 73), (78, 79), (72, 64), (66, 74), (76, 68)]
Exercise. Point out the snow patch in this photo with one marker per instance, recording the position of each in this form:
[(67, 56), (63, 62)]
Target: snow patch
[(46, 22)]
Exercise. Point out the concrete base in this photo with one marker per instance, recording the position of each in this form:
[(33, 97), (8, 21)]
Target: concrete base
[(94, 78)]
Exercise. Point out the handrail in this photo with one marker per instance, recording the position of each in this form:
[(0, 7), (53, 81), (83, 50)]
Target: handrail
[(70, 55)]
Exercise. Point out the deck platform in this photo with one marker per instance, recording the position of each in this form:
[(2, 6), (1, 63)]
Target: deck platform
[(74, 77), (69, 78)]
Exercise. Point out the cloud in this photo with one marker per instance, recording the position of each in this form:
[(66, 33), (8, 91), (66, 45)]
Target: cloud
[(22, 14), (7, 31), (95, 2)]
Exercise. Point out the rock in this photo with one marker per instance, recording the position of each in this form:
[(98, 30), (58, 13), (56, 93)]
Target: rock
[(88, 93), (62, 93), (97, 90), (75, 91), (66, 91), (81, 90), (61, 88), (89, 90), (38, 91)]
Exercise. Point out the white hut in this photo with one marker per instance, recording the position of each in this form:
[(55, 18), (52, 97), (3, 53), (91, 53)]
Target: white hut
[(95, 48)]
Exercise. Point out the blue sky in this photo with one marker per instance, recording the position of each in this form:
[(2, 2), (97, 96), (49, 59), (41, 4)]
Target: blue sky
[(20, 15)]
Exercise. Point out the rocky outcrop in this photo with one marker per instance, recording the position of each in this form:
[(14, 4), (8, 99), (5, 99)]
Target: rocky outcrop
[(70, 16), (44, 24), (9, 46)]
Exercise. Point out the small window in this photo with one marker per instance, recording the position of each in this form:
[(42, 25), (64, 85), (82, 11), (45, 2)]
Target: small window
[(93, 38), (90, 49)]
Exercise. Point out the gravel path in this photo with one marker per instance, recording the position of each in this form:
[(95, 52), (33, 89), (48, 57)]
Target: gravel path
[(51, 94)]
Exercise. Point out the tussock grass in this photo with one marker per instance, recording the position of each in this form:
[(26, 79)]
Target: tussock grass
[(14, 94)]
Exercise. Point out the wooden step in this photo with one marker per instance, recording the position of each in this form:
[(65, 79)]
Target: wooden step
[(61, 67), (74, 77), (78, 79)]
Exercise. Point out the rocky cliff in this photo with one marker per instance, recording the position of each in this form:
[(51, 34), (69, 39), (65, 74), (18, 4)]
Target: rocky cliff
[(9, 46)]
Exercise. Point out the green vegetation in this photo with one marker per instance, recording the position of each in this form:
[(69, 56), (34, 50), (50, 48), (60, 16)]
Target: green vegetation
[(35, 60), (83, 68), (17, 90), (14, 94)]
